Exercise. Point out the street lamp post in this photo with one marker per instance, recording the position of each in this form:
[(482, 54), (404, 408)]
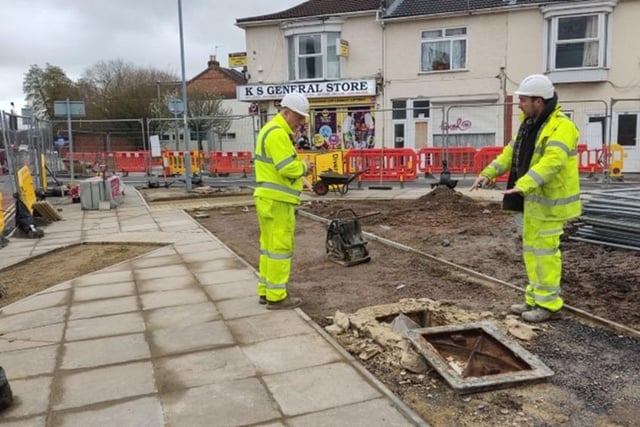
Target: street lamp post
[(187, 156)]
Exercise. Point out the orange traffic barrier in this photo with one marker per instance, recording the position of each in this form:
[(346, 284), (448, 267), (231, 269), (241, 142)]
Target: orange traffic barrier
[(230, 162), (485, 156), (385, 164), (590, 161)]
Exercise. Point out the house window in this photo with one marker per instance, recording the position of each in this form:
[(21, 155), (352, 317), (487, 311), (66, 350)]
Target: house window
[(578, 42), (444, 49), (420, 109), (314, 56), (628, 129), (399, 109)]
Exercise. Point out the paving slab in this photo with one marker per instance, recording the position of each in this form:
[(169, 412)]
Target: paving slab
[(105, 351), (88, 293), (191, 338), (38, 302), (225, 276), (104, 326), (181, 315), (270, 325), (104, 278), (243, 288), (145, 411), (239, 402), (32, 319), (269, 358), (314, 389), (42, 361), (240, 307), (30, 397), (167, 284), (103, 307), (30, 338), (373, 413), (202, 368), (110, 383), (152, 300)]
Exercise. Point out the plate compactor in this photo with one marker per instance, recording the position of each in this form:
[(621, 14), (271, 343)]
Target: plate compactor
[(345, 244)]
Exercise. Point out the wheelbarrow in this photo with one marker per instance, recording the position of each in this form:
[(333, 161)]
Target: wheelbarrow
[(337, 182)]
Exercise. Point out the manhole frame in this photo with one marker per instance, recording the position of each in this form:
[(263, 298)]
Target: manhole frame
[(538, 371)]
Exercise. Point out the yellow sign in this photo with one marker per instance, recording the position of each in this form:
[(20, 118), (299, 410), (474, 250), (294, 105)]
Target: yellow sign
[(27, 191), (344, 48), (237, 59)]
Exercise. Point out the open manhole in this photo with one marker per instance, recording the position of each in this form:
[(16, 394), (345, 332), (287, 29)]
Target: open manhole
[(475, 357)]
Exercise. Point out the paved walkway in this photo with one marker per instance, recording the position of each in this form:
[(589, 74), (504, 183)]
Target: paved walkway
[(175, 337)]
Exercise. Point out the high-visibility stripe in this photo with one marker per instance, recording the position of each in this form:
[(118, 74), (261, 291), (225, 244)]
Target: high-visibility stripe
[(552, 289), (536, 177), (553, 202), (279, 256), (285, 162), (563, 147), (276, 286), (262, 144), (498, 168), (278, 188), (548, 298), (550, 232)]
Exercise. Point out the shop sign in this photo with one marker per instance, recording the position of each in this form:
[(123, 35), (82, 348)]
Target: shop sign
[(310, 89)]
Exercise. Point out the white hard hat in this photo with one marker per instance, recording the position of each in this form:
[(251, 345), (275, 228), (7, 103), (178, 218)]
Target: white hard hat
[(536, 85), (297, 103)]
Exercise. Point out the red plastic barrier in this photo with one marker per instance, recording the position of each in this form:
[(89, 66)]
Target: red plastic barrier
[(386, 164), (590, 161), (485, 156), (230, 162), (429, 160), (131, 161), (461, 159)]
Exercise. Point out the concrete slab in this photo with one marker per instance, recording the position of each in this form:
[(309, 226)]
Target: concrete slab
[(29, 422), (104, 351), (202, 368), (226, 263), (88, 293), (112, 382), (145, 411), (373, 413), (104, 278), (181, 316), (29, 362), (152, 300), (166, 284), (30, 397), (32, 319), (103, 307), (239, 402), (191, 338), (240, 307), (225, 276), (207, 246), (30, 338), (38, 302), (217, 253), (104, 326), (268, 326), (290, 353), (156, 261), (163, 271), (314, 389), (244, 288)]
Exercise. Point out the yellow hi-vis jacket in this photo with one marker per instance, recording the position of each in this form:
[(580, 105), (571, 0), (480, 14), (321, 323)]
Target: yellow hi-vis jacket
[(277, 166), (551, 186)]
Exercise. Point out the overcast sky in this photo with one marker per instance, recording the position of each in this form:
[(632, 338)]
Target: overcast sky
[(77, 34)]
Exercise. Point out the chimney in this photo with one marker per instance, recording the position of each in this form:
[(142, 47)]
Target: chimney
[(212, 62)]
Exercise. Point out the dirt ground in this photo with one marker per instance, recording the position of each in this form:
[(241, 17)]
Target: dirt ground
[(596, 380)]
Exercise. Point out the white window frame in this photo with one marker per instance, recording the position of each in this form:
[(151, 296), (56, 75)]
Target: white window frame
[(553, 14), (424, 40), (331, 27)]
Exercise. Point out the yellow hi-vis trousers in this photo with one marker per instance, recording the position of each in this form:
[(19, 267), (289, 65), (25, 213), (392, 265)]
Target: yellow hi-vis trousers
[(543, 262), (277, 230)]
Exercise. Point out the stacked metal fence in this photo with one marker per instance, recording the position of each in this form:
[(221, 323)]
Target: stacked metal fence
[(611, 217)]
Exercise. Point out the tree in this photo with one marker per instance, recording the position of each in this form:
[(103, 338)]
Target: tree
[(207, 114), (44, 86)]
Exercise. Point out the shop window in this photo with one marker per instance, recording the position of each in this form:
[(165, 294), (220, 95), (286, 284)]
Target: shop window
[(476, 140)]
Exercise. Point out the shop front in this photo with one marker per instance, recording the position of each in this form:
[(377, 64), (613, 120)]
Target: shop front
[(341, 117)]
